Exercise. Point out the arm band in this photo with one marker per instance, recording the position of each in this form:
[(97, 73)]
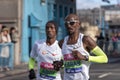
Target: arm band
[(100, 56), (31, 63)]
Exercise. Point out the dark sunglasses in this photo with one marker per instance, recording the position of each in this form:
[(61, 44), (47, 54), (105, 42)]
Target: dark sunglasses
[(70, 22)]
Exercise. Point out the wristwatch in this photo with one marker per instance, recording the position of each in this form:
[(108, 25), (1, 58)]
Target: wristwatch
[(86, 57)]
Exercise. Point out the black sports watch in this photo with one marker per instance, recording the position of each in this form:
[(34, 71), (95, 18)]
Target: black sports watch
[(86, 57)]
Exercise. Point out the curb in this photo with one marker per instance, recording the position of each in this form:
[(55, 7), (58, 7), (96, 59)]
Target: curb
[(11, 73), (19, 69)]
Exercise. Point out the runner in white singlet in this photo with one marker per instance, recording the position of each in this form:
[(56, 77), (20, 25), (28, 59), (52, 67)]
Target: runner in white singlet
[(76, 49), (73, 66), (45, 52)]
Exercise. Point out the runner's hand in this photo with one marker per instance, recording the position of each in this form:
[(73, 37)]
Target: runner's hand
[(32, 74), (57, 65), (77, 55)]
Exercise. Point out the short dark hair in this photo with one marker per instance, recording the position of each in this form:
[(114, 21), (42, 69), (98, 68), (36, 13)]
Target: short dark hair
[(3, 26), (12, 28), (55, 24)]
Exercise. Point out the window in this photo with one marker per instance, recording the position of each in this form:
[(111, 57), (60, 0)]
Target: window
[(55, 12), (60, 11), (66, 11), (71, 10)]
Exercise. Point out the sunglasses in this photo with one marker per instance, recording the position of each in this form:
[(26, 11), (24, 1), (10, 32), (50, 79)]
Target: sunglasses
[(71, 22)]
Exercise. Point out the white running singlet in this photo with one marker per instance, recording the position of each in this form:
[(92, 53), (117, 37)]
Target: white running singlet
[(45, 55), (75, 69)]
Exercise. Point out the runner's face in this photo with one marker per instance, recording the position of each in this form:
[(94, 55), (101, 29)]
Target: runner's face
[(71, 24), (50, 30)]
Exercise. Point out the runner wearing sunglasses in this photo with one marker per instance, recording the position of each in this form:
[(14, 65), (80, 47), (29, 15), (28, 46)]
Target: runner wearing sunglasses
[(76, 49), (47, 53)]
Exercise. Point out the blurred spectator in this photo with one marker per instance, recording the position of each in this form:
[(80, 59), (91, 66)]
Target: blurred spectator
[(119, 36), (4, 55), (106, 42), (5, 36), (0, 33), (100, 41), (13, 34), (114, 41), (0, 27)]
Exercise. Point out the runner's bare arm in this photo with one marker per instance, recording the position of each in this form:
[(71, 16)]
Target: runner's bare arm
[(91, 46), (89, 43)]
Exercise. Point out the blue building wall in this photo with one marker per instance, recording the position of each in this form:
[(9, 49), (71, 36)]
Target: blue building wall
[(35, 16)]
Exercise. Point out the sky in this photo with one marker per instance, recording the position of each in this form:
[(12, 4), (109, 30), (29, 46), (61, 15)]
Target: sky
[(85, 4)]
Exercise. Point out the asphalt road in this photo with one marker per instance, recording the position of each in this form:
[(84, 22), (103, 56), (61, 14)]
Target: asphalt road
[(97, 72), (105, 71), (23, 76)]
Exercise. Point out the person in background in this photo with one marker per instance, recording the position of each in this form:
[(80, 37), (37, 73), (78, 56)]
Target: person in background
[(13, 34), (119, 36), (101, 40), (1, 27), (5, 35), (4, 55), (115, 44), (1, 31), (106, 42), (46, 53), (77, 49)]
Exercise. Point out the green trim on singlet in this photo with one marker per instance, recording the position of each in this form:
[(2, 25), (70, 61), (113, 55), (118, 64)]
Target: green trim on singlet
[(48, 72), (72, 64), (100, 56)]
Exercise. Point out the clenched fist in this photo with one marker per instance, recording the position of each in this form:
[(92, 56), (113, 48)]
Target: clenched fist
[(78, 55), (57, 65)]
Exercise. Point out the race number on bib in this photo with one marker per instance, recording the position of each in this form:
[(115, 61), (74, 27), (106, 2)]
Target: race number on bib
[(47, 71), (71, 64)]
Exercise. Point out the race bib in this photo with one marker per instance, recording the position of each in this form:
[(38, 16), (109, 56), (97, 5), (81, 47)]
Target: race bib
[(47, 71), (72, 65)]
